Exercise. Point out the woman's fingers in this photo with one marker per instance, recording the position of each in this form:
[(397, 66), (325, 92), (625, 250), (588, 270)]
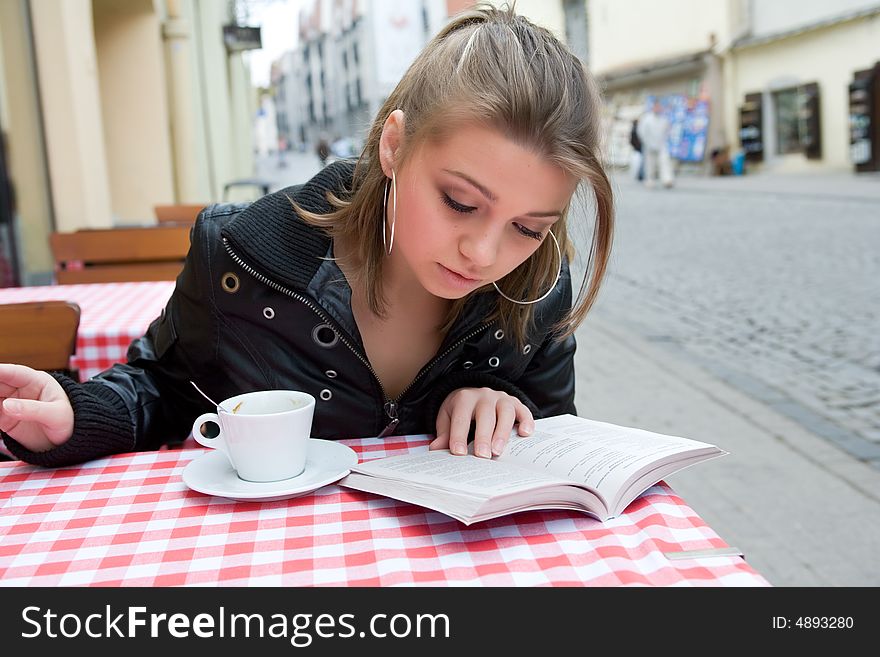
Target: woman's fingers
[(34, 408), (13, 377), (460, 422), (506, 417), (524, 418), (493, 415), (486, 418), (441, 440)]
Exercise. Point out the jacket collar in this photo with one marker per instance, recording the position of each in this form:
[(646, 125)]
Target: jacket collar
[(272, 238)]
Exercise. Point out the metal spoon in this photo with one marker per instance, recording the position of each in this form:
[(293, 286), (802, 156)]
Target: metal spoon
[(222, 408)]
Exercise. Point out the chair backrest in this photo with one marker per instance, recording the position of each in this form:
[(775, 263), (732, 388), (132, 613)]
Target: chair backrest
[(177, 214), (259, 185), (40, 334), (112, 255)]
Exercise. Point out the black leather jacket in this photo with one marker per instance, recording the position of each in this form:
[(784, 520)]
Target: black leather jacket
[(258, 305)]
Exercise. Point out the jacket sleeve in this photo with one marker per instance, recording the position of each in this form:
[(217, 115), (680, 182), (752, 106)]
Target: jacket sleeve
[(147, 401), (546, 386)]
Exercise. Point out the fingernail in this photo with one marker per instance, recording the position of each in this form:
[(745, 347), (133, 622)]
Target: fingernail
[(483, 451), (12, 406), (498, 447), (459, 449)]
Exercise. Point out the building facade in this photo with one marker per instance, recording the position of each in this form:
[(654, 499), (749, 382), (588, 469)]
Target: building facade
[(109, 108), (352, 53), (769, 78), (789, 98)]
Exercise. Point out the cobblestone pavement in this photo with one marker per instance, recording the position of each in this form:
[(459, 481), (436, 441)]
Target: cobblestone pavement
[(775, 293)]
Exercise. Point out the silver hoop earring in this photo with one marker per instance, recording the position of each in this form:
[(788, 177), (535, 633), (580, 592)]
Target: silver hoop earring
[(552, 287), (389, 246)]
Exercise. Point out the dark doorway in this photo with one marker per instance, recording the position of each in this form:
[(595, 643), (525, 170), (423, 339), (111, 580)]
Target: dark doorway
[(9, 269)]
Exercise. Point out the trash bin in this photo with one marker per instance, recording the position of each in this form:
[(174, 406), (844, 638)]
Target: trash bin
[(738, 163)]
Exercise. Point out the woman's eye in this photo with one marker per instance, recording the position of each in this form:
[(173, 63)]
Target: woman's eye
[(529, 233), (455, 205)]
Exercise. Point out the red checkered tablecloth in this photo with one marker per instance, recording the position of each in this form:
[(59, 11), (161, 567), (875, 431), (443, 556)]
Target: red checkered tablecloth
[(111, 316), (129, 520)]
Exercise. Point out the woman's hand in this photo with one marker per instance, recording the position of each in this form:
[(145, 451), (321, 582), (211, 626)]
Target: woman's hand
[(495, 414), (34, 408)]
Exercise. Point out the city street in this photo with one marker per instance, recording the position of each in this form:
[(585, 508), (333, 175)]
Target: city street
[(743, 312), (775, 292)]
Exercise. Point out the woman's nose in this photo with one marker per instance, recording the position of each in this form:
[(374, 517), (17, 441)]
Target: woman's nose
[(481, 247)]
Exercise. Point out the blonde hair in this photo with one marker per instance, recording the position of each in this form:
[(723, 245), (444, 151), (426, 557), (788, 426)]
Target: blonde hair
[(491, 66)]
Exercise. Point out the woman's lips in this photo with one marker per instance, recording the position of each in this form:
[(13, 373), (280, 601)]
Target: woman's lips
[(456, 279)]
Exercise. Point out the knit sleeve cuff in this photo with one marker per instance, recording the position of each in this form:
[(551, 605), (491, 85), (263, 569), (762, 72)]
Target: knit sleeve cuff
[(471, 380), (101, 426)]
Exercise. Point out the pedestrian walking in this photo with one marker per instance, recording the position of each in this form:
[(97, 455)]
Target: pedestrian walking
[(323, 150), (653, 132), (637, 161)]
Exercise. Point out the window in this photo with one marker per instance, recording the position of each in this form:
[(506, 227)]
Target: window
[(788, 136), (798, 128)]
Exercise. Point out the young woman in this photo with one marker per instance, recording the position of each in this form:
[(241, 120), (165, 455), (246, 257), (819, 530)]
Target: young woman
[(423, 289)]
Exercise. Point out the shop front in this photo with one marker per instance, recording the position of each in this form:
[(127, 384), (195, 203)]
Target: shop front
[(864, 119), (689, 90)]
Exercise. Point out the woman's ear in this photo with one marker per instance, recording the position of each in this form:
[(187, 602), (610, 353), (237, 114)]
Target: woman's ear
[(391, 141)]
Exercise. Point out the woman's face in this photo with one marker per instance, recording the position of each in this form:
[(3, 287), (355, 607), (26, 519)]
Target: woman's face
[(472, 208)]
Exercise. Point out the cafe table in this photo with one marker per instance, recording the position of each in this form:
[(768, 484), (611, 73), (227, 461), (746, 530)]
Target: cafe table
[(111, 316), (129, 520)]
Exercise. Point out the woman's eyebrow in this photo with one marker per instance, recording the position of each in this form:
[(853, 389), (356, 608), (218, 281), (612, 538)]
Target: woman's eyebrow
[(482, 188), (492, 197)]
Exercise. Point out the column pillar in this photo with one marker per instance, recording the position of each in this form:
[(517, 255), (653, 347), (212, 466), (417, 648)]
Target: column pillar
[(64, 41), (177, 35)]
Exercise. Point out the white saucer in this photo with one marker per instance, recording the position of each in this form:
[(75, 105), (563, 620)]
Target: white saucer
[(212, 474)]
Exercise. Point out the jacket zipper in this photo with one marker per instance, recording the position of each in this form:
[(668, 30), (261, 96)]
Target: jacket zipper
[(390, 405)]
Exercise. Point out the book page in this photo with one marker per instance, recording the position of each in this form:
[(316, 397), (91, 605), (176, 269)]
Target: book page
[(599, 455), (469, 474)]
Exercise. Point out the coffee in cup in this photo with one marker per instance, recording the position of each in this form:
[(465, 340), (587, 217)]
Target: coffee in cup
[(264, 434)]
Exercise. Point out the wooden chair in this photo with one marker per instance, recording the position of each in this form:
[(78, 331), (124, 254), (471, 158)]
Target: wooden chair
[(113, 255), (40, 334), (177, 214)]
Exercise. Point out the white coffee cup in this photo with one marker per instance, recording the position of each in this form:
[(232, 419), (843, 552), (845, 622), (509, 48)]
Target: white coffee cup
[(265, 434)]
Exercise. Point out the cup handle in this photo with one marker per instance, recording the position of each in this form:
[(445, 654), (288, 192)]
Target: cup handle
[(215, 441)]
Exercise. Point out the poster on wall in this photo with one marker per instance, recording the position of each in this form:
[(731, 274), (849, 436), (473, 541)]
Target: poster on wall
[(399, 36), (689, 125)]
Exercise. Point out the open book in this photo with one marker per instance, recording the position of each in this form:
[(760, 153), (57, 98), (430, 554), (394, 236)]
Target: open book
[(567, 463)]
